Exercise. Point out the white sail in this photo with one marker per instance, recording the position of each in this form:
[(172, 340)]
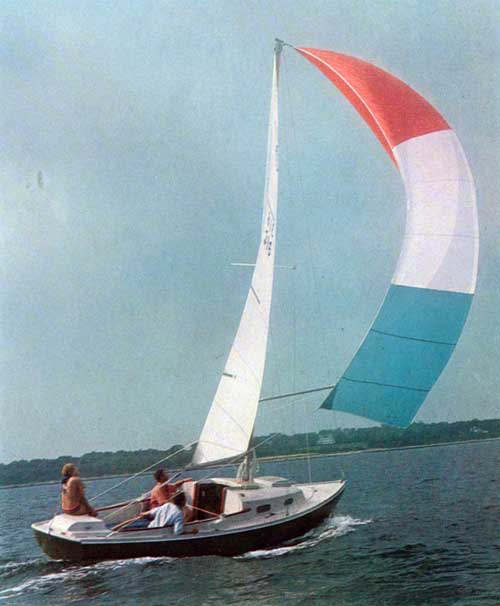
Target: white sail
[(228, 428)]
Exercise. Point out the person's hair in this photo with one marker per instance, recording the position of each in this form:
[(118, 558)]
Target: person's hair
[(179, 499), (158, 474), (67, 471)]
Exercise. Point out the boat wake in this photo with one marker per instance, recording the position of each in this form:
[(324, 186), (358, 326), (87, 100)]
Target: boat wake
[(53, 573), (334, 527)]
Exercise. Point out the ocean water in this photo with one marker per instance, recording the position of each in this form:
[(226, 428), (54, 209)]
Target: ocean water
[(414, 527)]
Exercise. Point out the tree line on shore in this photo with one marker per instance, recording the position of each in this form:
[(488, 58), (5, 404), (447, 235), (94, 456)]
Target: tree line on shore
[(96, 464)]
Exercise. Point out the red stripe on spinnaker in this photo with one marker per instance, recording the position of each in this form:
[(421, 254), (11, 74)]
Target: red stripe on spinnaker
[(393, 110)]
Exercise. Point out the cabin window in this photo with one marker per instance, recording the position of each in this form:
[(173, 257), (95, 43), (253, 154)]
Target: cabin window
[(263, 508), (288, 501)]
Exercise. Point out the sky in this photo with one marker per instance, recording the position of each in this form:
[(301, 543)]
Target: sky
[(132, 154)]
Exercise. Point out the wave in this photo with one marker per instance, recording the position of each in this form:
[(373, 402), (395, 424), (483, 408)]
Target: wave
[(9, 565), (334, 527), (66, 572)]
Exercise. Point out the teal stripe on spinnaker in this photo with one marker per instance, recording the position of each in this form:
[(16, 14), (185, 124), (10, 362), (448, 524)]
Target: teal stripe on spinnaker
[(402, 356)]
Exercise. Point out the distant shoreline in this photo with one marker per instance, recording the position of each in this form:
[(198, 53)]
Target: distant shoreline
[(270, 459), (370, 450)]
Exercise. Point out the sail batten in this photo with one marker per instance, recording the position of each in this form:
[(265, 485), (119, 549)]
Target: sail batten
[(229, 425)]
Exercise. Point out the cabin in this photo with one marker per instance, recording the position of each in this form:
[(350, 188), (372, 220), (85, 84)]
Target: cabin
[(225, 497)]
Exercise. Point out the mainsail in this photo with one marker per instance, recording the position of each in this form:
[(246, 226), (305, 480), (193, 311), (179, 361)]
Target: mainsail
[(228, 428), (423, 314)]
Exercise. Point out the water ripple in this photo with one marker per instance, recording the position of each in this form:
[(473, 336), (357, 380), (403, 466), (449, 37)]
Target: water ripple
[(334, 527)]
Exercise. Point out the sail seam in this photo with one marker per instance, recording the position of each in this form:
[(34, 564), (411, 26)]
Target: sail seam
[(390, 334), (262, 311), (429, 181), (349, 85), (220, 407), (418, 235), (385, 384), (245, 363), (234, 450)]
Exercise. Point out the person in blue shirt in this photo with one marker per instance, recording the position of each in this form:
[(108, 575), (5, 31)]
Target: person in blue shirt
[(169, 514)]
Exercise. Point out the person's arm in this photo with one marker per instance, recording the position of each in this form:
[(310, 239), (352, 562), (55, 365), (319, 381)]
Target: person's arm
[(179, 524), (83, 500), (90, 510), (183, 531), (188, 513), (150, 514)]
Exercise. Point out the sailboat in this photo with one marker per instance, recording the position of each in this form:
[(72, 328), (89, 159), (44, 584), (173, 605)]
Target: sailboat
[(395, 367)]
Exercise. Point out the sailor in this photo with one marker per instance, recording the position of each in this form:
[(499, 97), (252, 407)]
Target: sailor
[(73, 499), (169, 514), (163, 491)]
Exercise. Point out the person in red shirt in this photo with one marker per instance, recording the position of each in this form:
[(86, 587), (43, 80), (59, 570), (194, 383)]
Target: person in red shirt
[(163, 490)]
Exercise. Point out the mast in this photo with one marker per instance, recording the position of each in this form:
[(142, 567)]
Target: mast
[(229, 425)]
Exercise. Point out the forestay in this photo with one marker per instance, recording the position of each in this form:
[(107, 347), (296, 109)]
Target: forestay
[(422, 316), (228, 428)]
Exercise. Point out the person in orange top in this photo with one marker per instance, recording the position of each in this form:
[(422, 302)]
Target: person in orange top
[(73, 499), (163, 491)]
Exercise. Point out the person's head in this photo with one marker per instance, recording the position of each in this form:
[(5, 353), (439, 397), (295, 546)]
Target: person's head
[(160, 475), (179, 499), (69, 470)]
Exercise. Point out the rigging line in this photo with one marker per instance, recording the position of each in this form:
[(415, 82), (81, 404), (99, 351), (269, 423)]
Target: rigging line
[(233, 460), (145, 495), (309, 469), (294, 360), (137, 499), (295, 403), (276, 266), (230, 461), (336, 427), (316, 300), (277, 366), (297, 393), (291, 289), (142, 471)]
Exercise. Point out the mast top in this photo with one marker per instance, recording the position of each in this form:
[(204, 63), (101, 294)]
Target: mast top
[(278, 45)]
